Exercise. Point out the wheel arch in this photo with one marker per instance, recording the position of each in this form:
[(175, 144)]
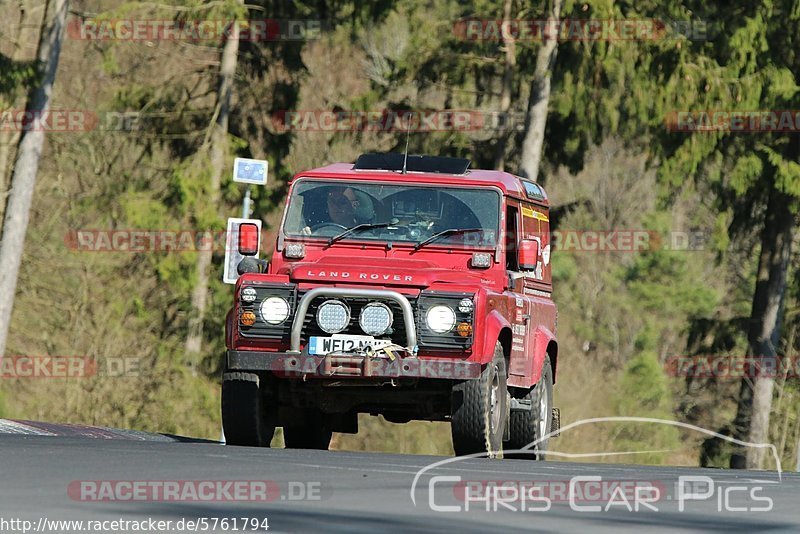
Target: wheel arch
[(497, 328), (552, 353), (504, 337)]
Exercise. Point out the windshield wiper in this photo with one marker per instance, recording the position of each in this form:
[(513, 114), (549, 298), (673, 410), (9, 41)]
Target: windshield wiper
[(360, 227), (443, 233)]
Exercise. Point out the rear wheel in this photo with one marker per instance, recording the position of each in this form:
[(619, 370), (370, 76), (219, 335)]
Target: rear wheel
[(479, 409), (529, 426), (247, 420), (310, 432)]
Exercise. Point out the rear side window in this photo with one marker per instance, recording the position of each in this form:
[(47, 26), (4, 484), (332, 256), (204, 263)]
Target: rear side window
[(533, 190)]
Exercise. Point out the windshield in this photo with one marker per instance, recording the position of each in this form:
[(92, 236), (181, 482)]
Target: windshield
[(400, 213)]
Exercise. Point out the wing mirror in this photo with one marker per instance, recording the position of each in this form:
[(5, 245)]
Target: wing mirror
[(248, 239), (528, 254)]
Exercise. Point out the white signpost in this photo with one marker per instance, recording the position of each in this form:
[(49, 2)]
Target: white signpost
[(250, 172)]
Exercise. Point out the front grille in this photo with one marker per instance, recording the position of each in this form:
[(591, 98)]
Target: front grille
[(398, 334), (262, 329), (425, 338), (450, 340)]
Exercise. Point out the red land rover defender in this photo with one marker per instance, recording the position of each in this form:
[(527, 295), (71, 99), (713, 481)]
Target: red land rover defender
[(413, 288)]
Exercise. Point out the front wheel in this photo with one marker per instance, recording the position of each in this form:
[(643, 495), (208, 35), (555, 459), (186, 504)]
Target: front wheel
[(529, 427), (246, 419), (479, 409)]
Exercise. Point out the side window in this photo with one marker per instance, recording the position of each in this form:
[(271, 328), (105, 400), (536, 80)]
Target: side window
[(533, 190), (512, 238), (536, 226)]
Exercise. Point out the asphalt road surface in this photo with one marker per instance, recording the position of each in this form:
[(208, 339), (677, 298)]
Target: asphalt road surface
[(56, 473)]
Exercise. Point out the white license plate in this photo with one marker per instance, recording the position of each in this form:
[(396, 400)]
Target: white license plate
[(344, 343)]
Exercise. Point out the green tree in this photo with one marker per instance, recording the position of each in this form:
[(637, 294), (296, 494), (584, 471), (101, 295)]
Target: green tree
[(643, 392), (751, 64), (18, 203)]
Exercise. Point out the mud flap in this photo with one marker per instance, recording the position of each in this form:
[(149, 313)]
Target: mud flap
[(555, 423)]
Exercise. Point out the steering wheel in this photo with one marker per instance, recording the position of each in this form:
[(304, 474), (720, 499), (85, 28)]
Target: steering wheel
[(324, 224)]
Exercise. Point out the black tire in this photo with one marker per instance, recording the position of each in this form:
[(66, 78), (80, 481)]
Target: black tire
[(477, 422), (313, 432), (528, 427), (246, 419)]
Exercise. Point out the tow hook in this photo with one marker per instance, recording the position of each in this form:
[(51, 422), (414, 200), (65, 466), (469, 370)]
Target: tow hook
[(520, 405)]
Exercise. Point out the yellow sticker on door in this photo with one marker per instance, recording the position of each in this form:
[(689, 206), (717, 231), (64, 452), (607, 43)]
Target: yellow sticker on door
[(528, 212)]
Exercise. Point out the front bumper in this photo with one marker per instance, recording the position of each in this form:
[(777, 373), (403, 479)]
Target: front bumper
[(341, 365)]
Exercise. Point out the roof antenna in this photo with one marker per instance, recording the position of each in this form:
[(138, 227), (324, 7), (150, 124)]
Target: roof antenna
[(408, 134)]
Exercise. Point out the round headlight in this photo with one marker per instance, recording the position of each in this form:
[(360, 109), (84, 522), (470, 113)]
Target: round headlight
[(274, 310), (441, 318), (375, 318), (333, 316)]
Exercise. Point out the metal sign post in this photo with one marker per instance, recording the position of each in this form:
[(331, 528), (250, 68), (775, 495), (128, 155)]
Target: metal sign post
[(246, 204), (250, 172)]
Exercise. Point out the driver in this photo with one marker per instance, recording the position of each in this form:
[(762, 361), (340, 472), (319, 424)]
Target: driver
[(348, 206), (344, 206)]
